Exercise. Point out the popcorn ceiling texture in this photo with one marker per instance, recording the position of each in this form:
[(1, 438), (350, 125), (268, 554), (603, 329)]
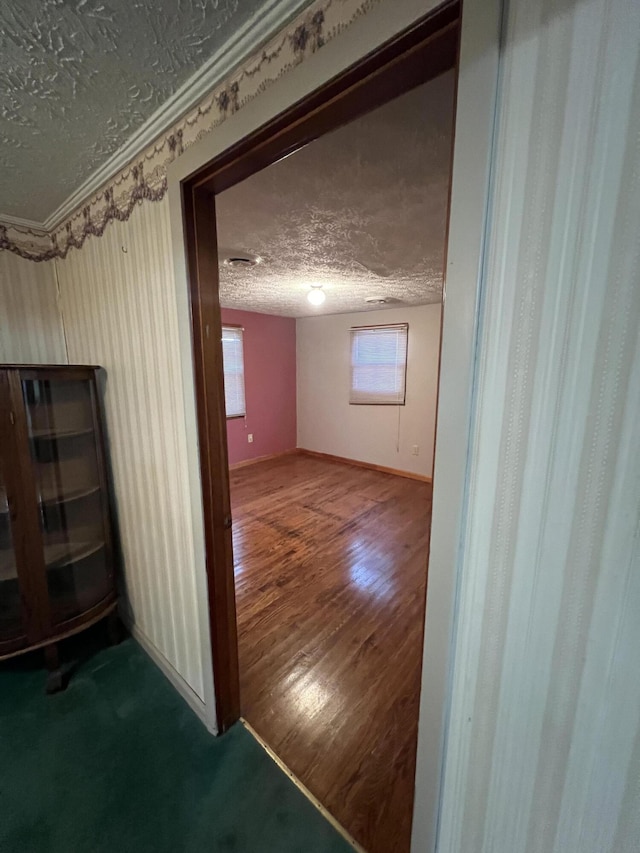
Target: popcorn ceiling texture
[(144, 179), (361, 211), (78, 78)]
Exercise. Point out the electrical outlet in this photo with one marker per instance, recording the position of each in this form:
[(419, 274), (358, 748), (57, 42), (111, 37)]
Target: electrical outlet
[(415, 450), (250, 438)]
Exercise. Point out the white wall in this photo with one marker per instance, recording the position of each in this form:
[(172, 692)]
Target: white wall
[(382, 435), (30, 323)]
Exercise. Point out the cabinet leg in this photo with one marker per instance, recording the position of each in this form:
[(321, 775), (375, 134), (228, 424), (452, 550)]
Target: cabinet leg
[(55, 681), (114, 628)]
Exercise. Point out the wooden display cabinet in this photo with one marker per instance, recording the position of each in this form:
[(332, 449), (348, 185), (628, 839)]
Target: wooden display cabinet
[(56, 554)]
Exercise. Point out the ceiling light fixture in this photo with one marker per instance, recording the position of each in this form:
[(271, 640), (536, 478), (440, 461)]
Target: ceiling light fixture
[(316, 295)]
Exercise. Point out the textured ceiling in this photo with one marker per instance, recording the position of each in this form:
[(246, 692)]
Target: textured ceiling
[(361, 210), (78, 77)]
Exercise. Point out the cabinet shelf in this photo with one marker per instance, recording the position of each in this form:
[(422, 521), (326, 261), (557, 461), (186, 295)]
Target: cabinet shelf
[(50, 496), (55, 435), (62, 554), (56, 555)]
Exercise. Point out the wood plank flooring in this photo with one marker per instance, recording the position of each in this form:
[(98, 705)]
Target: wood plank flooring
[(330, 566)]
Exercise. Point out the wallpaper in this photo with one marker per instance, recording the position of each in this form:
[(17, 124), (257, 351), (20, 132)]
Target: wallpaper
[(543, 749), (30, 320), (126, 321)]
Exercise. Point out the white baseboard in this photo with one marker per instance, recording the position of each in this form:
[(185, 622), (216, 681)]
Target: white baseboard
[(177, 681)]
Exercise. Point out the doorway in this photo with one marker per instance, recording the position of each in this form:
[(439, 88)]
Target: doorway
[(415, 58)]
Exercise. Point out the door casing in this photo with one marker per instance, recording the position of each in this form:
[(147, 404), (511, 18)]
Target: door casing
[(423, 52), (477, 92)]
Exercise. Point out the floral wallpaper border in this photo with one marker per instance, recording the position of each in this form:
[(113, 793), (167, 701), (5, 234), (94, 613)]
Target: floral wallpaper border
[(145, 178)]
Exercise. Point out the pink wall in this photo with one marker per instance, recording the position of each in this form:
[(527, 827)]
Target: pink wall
[(269, 386)]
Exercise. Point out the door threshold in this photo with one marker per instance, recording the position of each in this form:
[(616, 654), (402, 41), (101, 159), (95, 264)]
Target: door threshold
[(303, 789)]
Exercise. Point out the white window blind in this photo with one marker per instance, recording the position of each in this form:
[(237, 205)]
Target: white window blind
[(379, 365), (233, 363)]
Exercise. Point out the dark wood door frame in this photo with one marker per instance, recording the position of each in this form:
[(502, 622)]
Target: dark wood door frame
[(415, 56)]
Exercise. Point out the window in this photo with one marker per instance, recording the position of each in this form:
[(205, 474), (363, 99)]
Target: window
[(379, 365), (233, 363)]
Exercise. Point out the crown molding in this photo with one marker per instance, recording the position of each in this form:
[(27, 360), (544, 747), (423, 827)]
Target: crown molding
[(19, 222), (274, 15)]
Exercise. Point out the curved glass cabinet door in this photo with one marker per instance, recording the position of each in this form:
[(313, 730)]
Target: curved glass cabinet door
[(72, 497), (10, 614)]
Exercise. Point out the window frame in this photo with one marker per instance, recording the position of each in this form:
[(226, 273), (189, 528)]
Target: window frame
[(236, 327), (372, 327)]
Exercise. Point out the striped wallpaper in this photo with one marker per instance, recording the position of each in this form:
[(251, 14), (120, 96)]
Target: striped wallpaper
[(30, 326), (544, 744), (118, 305)]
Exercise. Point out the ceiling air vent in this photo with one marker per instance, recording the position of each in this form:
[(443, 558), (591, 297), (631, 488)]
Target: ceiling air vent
[(383, 300), (241, 260)]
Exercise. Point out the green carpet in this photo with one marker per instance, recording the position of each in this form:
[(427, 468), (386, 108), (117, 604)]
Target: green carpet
[(118, 762)]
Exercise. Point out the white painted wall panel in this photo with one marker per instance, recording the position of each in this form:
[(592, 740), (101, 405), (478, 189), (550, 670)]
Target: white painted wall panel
[(30, 324), (544, 741), (381, 435), (118, 299)]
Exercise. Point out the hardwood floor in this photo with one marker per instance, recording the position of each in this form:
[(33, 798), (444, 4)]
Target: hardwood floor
[(330, 566)]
